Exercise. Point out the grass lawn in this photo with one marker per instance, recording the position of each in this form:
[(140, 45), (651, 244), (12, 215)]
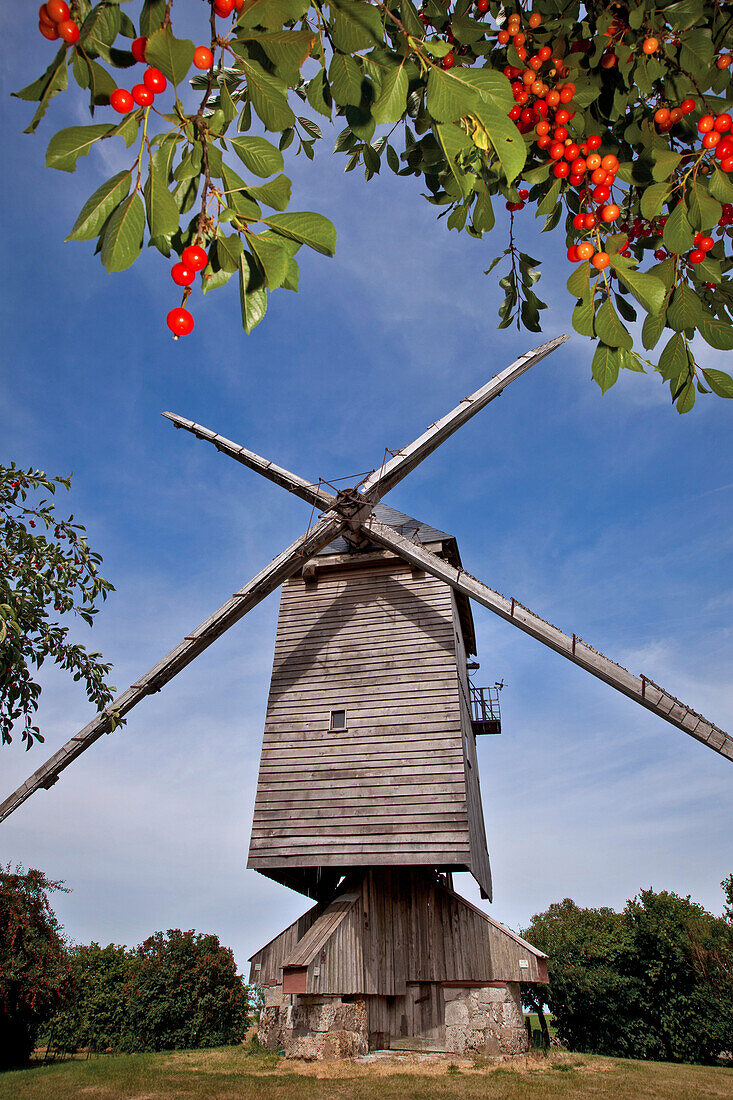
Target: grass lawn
[(244, 1072)]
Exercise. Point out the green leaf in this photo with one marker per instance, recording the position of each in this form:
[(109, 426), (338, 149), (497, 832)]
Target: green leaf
[(648, 290), (252, 294), (652, 329), (286, 49), (319, 94), (579, 280), (268, 96), (355, 25), (306, 228), (683, 14), (719, 382), (162, 211), (610, 327), (68, 145), (493, 87), (345, 78), (54, 80), (259, 155), (483, 212), (704, 210), (674, 361), (665, 163), (449, 97), (717, 333), (582, 319), (507, 142), (271, 256), (685, 308), (548, 202), (678, 234), (272, 13), (173, 56), (605, 366), (686, 397), (123, 237), (696, 53), (720, 186), (276, 193), (392, 101), (99, 206), (629, 360), (454, 141), (652, 199), (228, 251), (152, 16)]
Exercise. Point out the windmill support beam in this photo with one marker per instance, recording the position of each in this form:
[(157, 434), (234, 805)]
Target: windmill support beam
[(641, 689), (306, 490), (286, 564), (405, 460)]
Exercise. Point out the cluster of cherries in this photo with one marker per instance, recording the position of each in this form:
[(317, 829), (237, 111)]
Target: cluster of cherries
[(183, 273), (54, 21), (717, 135), (224, 8), (153, 82)]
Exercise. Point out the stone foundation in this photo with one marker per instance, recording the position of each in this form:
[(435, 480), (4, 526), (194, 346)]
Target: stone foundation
[(485, 1020), (315, 1028), (478, 1020)]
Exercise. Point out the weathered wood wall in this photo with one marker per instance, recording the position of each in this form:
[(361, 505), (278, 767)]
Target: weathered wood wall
[(381, 642), (403, 927)]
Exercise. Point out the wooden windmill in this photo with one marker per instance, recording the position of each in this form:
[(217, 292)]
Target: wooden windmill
[(368, 794)]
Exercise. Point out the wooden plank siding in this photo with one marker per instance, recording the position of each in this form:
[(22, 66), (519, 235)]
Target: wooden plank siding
[(384, 643), (392, 927)]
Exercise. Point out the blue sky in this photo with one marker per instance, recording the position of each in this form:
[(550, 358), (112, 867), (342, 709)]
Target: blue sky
[(610, 516)]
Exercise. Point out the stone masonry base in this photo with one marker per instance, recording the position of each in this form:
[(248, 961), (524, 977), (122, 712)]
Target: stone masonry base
[(478, 1020)]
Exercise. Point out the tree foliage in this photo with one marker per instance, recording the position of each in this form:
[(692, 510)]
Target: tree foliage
[(34, 974), (46, 570), (431, 93), (177, 990), (655, 981)]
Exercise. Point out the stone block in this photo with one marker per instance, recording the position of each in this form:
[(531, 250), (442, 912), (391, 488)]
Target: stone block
[(457, 1013)]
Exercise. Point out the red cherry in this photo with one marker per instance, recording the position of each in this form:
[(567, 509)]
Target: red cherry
[(58, 10), (659, 254), (706, 243), (515, 112), (524, 194), (482, 6), (727, 164), (557, 150), (48, 32), (45, 17), (687, 106), (601, 260), (578, 166), (579, 221), (449, 60), (561, 169), (572, 151), (593, 141), (155, 81), (723, 123), (575, 179), (573, 254), (706, 124), (138, 49), (696, 256), (69, 31), (590, 221), (142, 95), (180, 321), (203, 58), (584, 250), (121, 101), (182, 275), (601, 193), (223, 8), (194, 257), (610, 213)]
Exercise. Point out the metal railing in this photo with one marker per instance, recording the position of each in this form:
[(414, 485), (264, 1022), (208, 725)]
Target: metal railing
[(485, 709)]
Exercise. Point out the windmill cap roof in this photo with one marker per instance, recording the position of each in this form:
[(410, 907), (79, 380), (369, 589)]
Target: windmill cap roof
[(405, 525)]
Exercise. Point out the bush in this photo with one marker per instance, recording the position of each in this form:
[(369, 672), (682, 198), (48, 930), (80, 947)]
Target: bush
[(177, 990), (655, 981), (34, 972)]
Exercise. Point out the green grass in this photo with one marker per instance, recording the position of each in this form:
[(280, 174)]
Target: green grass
[(246, 1073)]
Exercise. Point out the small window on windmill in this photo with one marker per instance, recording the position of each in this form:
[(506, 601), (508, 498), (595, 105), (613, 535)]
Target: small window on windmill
[(338, 719)]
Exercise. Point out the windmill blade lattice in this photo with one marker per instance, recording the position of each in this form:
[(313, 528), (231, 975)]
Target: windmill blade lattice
[(639, 688)]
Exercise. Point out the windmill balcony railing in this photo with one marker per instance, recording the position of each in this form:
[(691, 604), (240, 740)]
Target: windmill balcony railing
[(485, 709)]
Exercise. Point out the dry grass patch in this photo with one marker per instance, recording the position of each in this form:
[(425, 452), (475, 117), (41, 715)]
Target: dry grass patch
[(246, 1073)]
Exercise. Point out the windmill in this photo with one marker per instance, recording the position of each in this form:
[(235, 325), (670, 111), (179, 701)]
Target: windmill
[(368, 795)]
